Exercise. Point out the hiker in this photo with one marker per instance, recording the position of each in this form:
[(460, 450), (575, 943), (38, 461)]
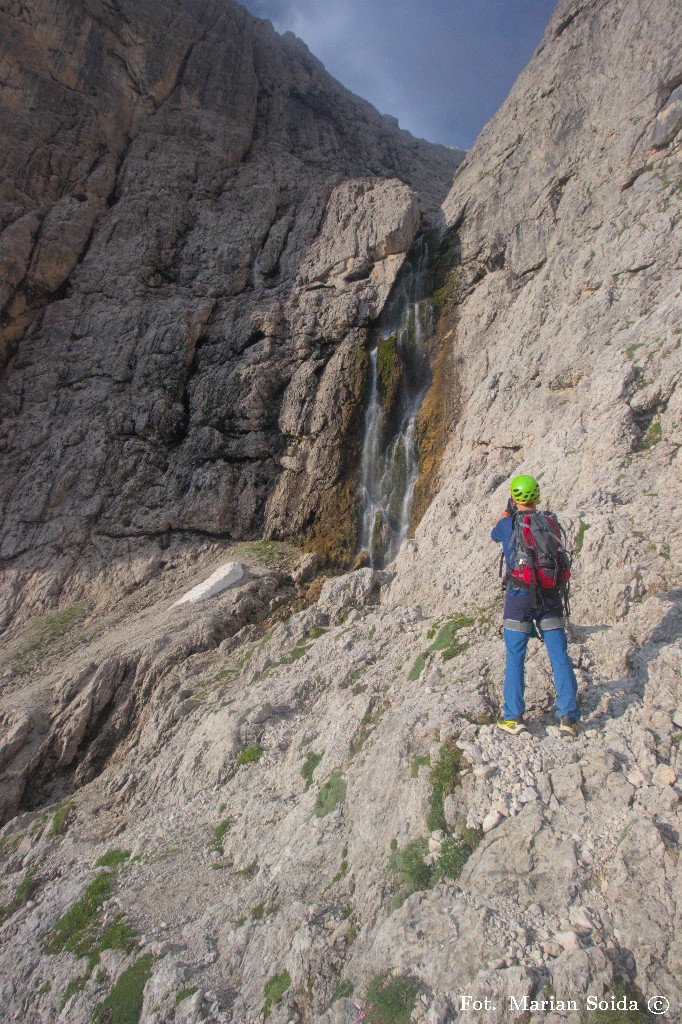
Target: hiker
[(536, 585)]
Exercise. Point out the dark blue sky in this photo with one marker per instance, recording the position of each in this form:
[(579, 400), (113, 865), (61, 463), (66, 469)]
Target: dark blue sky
[(442, 67)]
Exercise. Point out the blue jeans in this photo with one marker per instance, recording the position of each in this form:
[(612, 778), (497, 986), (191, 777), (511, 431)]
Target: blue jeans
[(518, 623)]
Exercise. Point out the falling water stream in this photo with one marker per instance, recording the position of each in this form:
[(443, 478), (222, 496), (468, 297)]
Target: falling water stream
[(390, 463)]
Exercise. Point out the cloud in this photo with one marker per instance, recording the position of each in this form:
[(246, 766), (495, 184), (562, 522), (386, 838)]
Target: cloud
[(441, 66)]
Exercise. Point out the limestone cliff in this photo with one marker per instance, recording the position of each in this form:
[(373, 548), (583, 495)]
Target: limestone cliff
[(197, 226), (290, 800)]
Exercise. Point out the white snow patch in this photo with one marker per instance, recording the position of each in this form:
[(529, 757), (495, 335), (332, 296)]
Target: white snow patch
[(220, 580)]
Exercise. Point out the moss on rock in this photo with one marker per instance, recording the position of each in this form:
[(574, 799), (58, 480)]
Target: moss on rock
[(389, 373), (433, 427)]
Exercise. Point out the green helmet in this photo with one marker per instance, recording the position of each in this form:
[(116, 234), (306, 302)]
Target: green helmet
[(524, 489)]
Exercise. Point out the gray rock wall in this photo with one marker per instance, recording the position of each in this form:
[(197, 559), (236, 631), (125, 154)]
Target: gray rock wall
[(196, 225)]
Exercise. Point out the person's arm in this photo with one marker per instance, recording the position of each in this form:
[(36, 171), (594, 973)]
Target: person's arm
[(498, 532)]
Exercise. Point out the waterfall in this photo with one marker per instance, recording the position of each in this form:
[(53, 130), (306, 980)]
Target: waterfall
[(399, 378)]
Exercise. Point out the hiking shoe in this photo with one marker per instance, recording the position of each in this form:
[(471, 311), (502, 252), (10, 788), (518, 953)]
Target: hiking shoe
[(568, 726), (512, 725)]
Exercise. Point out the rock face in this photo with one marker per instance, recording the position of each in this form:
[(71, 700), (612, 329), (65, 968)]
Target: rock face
[(197, 224), (288, 798)]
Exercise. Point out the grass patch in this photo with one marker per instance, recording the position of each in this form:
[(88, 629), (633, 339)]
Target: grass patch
[(274, 990), (25, 890), (447, 641), (246, 658), (580, 536), (417, 668), (618, 1016), (268, 552), (315, 632), (390, 1000), (219, 834), (630, 351), (123, 1005), (113, 859), (330, 795), (43, 633), (251, 755), (185, 994), (412, 871), (79, 930), (444, 779), (76, 931), (342, 990), (61, 818), (417, 762), (310, 763), (653, 435), (341, 873), (295, 654), (75, 985), (368, 723), (251, 870), (455, 852)]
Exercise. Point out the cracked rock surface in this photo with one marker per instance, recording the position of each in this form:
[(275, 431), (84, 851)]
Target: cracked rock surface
[(197, 225), (292, 789)]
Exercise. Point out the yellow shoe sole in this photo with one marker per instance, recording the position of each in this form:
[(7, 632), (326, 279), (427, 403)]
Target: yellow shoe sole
[(512, 727)]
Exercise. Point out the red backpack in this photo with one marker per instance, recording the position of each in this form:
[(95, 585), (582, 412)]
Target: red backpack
[(540, 558)]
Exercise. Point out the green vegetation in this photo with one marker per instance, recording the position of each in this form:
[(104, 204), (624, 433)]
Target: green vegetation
[(25, 890), (455, 852), (341, 873), (330, 795), (274, 990), (61, 817), (77, 930), (43, 633), (246, 658), (268, 552), (417, 668), (185, 994), (447, 641), (409, 864), (417, 762), (315, 632), (389, 371), (653, 435), (220, 833), (630, 352), (618, 1016), (368, 723), (251, 755), (412, 871), (390, 1000), (74, 985), (251, 869), (444, 779), (310, 763), (112, 859), (580, 536), (294, 654), (342, 990), (123, 1005), (80, 930)]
